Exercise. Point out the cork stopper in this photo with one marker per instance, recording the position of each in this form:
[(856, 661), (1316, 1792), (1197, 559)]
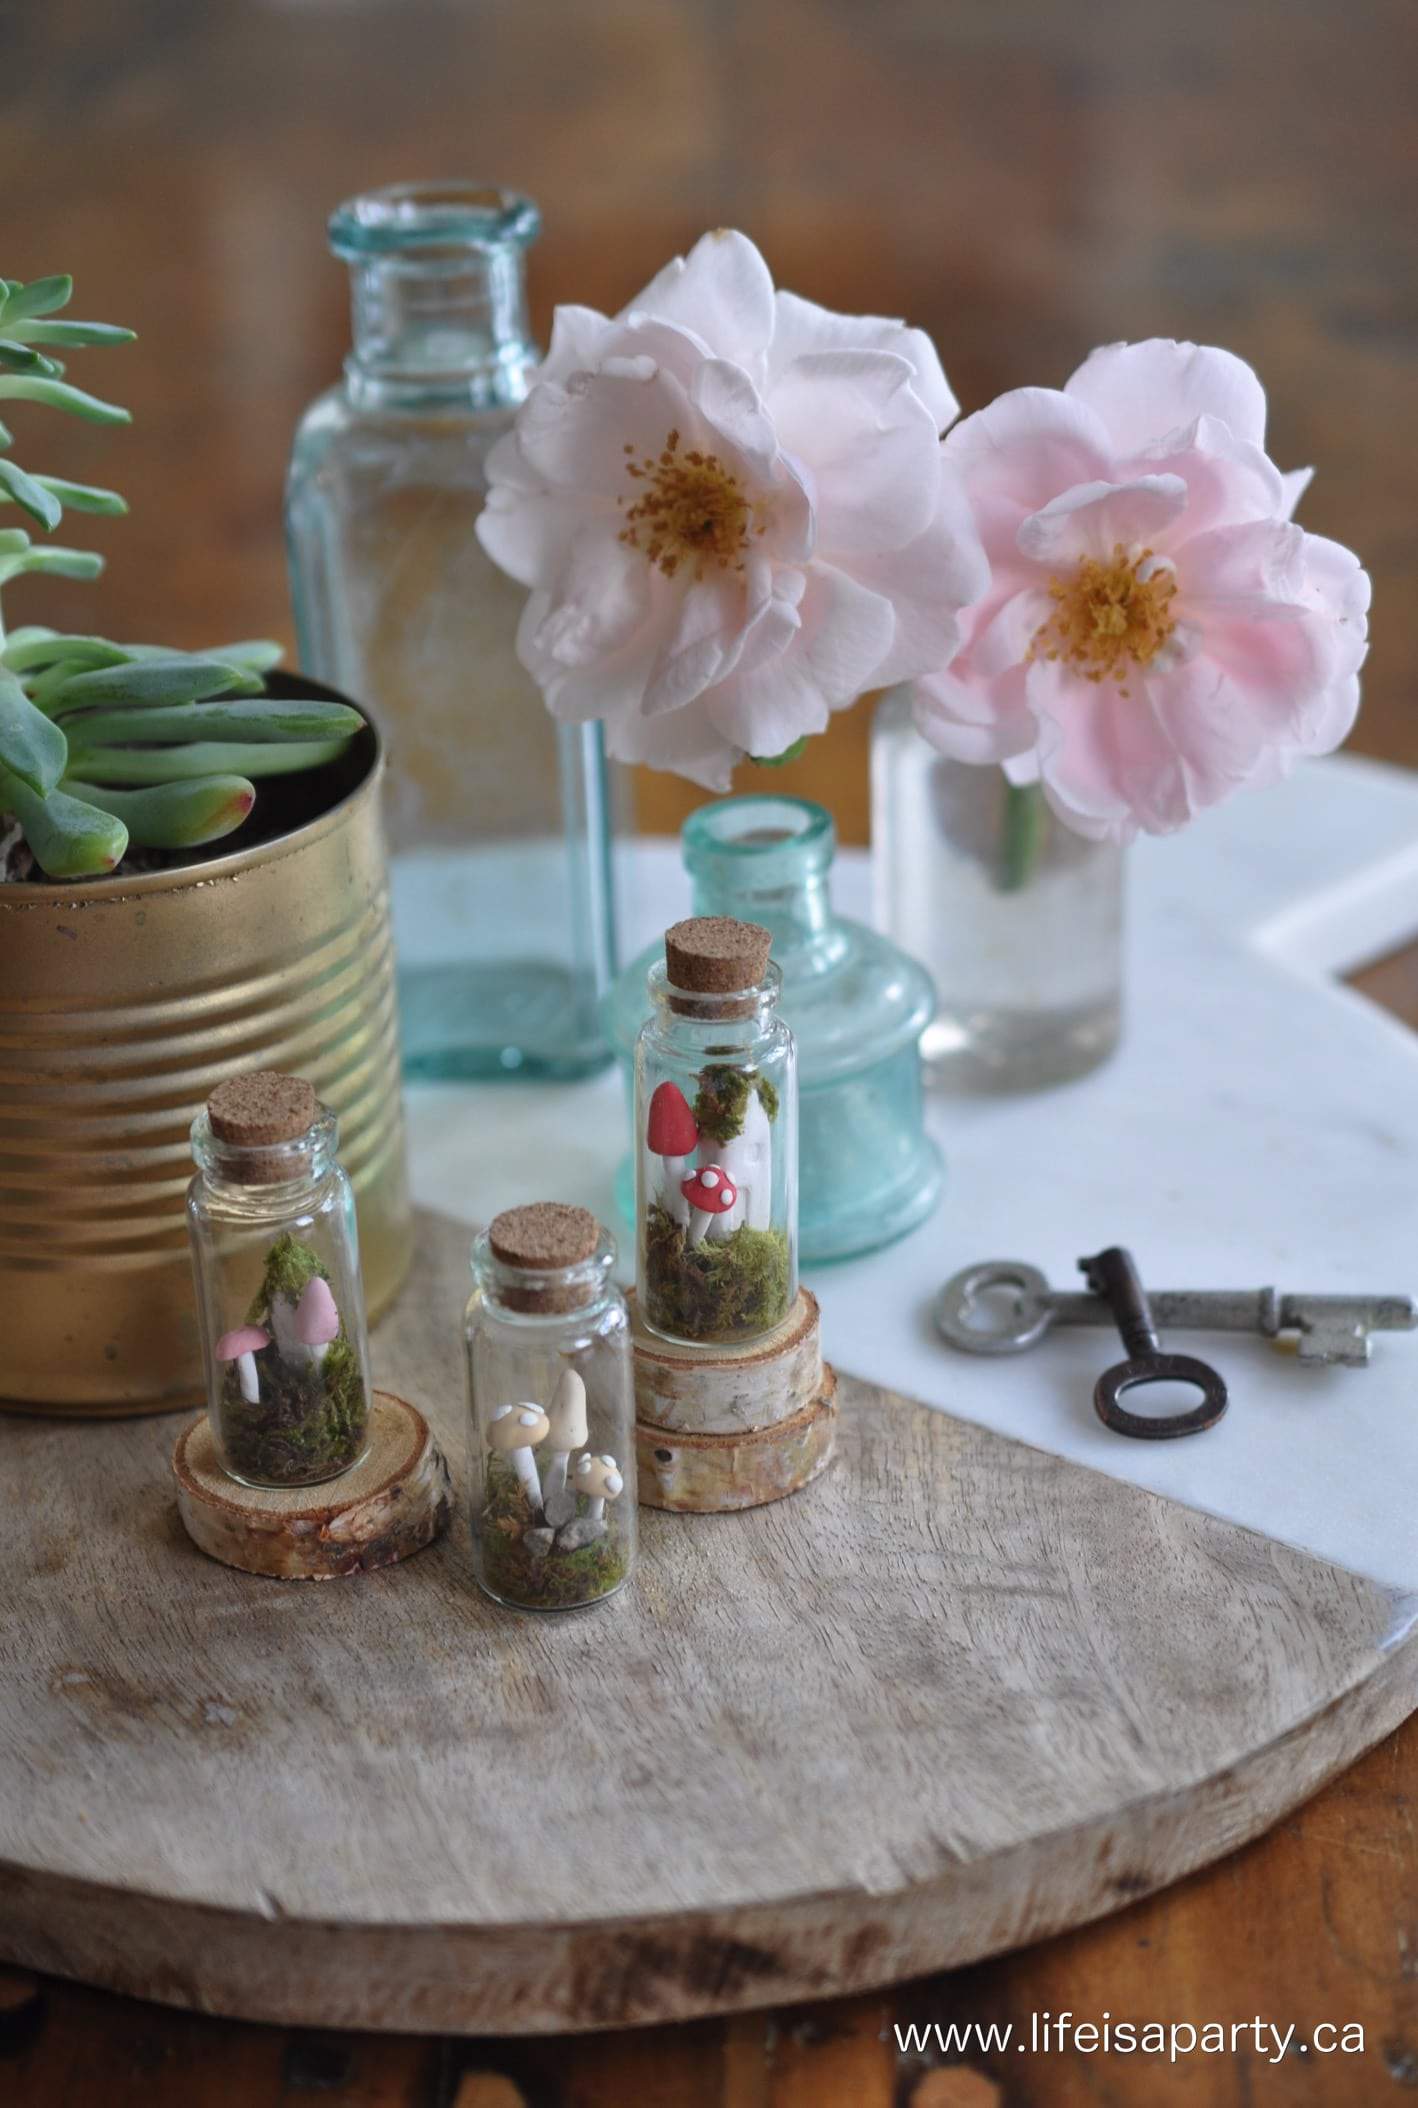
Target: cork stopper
[(259, 1112), (544, 1237), (716, 955)]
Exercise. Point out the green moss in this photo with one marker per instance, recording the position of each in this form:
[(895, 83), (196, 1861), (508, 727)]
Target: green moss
[(308, 1423), (710, 1291), (290, 1268), (722, 1100), (558, 1580)]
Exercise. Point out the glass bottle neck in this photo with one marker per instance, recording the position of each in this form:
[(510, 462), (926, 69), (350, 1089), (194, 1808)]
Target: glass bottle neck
[(449, 329), (766, 860)]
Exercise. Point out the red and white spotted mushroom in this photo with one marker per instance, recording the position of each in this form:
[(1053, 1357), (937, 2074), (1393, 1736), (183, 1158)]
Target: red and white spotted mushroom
[(711, 1194)]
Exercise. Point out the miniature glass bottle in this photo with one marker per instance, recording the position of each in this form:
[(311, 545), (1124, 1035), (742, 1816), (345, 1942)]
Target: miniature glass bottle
[(280, 1303), (1018, 919), (867, 1170), (487, 800), (716, 1126), (552, 1441)]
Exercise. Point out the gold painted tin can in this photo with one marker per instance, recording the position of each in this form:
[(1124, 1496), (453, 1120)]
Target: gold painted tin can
[(122, 1004)]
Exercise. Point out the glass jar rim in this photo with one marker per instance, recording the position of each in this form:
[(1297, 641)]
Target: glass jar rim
[(410, 219), (759, 833), (267, 1164)]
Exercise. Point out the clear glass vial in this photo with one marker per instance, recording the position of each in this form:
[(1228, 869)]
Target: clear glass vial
[(552, 1412), (1018, 919), (867, 1170), (275, 1255), (716, 1127), (487, 799)]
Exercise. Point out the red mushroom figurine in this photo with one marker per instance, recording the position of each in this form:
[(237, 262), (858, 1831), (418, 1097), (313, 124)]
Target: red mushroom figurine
[(711, 1193), (672, 1134)]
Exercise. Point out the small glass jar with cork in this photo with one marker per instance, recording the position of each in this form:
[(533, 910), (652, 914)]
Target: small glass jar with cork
[(275, 1254), (716, 1109), (552, 1444)]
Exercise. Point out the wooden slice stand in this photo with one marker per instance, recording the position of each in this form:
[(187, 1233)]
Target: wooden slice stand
[(394, 1502), (723, 1428)]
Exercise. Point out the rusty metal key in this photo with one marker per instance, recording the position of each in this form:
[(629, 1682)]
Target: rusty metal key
[(1113, 1275)]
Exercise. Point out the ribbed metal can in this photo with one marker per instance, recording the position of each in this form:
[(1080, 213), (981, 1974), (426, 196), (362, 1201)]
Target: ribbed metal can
[(122, 1004)]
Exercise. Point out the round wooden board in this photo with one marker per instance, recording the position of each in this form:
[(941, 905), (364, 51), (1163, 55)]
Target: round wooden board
[(956, 1695), (390, 1505)]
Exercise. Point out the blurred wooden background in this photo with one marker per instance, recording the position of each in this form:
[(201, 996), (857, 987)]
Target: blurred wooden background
[(1024, 179)]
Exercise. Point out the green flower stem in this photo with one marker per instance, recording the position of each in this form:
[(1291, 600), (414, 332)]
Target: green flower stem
[(1024, 825)]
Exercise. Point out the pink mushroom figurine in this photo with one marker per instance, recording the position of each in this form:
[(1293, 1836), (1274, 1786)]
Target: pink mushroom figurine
[(317, 1321), (671, 1134), (242, 1346), (711, 1193)]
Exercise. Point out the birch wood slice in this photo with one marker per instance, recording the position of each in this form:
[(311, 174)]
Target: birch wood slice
[(394, 1502), (728, 1390), (958, 1695), (693, 1474)]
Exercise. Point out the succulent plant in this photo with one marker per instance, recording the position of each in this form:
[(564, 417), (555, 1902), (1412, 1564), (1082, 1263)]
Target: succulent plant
[(102, 744)]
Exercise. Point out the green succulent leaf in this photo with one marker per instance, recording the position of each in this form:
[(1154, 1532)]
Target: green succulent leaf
[(49, 660), (260, 654), (174, 815), (32, 747), (54, 563), (23, 358), (69, 838), (76, 335), (83, 497), (38, 500), (145, 684), (207, 757), (62, 395), (264, 720), (42, 296), (7, 437)]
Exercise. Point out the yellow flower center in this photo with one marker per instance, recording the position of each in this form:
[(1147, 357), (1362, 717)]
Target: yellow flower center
[(1110, 616), (688, 507)]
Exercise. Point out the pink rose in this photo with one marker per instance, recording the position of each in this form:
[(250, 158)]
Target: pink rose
[(1157, 633)]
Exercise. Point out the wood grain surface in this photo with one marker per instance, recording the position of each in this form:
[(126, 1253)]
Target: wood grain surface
[(1026, 180), (956, 1694)]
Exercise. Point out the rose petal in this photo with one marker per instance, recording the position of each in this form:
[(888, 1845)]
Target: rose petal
[(871, 442), (585, 436), (1018, 454), (800, 326), (929, 582), (722, 290), (577, 335), (1093, 518), (971, 722), (844, 636), (1143, 391)]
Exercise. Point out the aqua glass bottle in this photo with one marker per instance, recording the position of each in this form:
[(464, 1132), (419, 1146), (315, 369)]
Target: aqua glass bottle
[(498, 818), (868, 1171)]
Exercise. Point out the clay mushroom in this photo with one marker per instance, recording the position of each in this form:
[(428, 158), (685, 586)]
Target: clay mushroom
[(671, 1134), (711, 1194), (566, 1420), (242, 1346), (317, 1321), (599, 1478), (514, 1432)]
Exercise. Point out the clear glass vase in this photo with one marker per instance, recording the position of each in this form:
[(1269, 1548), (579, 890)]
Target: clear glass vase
[(489, 802), (868, 1171), (1018, 919)]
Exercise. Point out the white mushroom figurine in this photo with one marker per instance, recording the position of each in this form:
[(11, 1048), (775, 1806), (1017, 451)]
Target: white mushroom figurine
[(566, 1418), (317, 1320), (242, 1346), (599, 1478), (514, 1432)]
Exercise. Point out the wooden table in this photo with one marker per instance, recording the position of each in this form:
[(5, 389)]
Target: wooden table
[(1023, 179)]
